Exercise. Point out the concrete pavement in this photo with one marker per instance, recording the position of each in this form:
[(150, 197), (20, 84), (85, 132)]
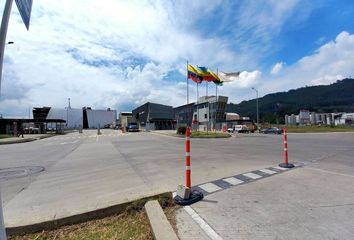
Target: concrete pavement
[(311, 202), (84, 172)]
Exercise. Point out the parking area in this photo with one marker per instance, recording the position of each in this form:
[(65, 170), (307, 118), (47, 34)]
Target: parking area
[(87, 171)]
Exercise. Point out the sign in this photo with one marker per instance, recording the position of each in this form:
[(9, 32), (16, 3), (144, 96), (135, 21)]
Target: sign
[(25, 7)]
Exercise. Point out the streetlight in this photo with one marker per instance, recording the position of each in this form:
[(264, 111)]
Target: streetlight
[(257, 105)]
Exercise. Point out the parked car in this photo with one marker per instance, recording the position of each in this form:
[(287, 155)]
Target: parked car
[(273, 130), (239, 129), (133, 128)]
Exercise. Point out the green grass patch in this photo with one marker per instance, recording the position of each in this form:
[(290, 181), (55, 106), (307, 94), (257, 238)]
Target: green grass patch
[(133, 223), (5, 136), (202, 134), (309, 129), (128, 225)]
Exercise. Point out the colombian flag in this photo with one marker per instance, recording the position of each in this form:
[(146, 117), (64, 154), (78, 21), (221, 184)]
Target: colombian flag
[(194, 74), (207, 74)]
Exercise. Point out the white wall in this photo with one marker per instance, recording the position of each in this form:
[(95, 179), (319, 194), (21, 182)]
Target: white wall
[(72, 116), (99, 118)]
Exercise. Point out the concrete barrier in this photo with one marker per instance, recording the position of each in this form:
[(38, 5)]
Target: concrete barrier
[(160, 226)]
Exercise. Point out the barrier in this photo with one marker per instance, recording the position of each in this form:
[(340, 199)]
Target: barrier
[(188, 158), (286, 163), (185, 195)]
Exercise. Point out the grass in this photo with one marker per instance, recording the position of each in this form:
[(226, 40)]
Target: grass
[(202, 134), (305, 129), (5, 136), (127, 225), (131, 224)]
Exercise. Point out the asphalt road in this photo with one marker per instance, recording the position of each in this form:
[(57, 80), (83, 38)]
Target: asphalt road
[(85, 172)]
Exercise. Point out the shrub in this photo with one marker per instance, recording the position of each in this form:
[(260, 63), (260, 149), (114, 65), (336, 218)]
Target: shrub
[(182, 130)]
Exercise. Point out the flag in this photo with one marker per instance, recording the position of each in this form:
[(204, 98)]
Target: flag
[(194, 74), (228, 77), (207, 74)]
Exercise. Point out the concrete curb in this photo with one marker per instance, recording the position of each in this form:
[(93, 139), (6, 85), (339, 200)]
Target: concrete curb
[(83, 217), (24, 140), (161, 227)]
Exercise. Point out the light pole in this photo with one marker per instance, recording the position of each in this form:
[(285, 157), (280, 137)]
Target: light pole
[(256, 90)]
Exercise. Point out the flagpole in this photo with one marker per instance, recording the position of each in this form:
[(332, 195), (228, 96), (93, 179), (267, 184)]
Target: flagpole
[(216, 99), (187, 86), (197, 106)]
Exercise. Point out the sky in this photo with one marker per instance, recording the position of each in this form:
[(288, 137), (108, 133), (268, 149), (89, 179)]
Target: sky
[(121, 54)]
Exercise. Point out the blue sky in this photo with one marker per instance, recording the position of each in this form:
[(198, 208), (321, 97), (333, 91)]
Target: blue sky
[(120, 54)]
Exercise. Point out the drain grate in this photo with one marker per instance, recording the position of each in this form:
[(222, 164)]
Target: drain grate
[(19, 172)]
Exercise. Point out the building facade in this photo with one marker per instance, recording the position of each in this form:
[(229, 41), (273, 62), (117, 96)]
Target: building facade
[(153, 116), (207, 113)]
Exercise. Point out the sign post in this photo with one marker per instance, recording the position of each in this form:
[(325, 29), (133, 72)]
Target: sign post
[(25, 8)]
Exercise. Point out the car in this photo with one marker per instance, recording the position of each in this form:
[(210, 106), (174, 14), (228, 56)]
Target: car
[(273, 130), (133, 128)]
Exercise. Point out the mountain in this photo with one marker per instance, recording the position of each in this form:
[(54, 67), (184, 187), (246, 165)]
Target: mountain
[(336, 97)]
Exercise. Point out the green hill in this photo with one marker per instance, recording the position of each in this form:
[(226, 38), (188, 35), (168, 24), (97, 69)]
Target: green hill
[(336, 97)]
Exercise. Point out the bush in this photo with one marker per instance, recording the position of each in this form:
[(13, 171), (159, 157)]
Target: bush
[(182, 130)]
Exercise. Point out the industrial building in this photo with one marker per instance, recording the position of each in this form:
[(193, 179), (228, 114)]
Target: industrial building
[(313, 118), (153, 116), (207, 113), (77, 118)]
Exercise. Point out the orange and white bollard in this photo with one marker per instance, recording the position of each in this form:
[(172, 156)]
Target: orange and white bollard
[(185, 195), (188, 158), (286, 163)]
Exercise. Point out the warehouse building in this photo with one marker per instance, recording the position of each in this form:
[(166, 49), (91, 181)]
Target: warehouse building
[(77, 118), (207, 113), (153, 116)]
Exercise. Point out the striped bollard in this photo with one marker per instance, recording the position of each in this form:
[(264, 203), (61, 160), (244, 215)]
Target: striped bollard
[(188, 158), (286, 163), (185, 195)]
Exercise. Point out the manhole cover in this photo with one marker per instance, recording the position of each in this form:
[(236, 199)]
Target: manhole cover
[(19, 172)]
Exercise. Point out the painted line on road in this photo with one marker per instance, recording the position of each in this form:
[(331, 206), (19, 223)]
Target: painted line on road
[(202, 224), (244, 178), (267, 171), (252, 175), (69, 142), (330, 172), (210, 187), (233, 181)]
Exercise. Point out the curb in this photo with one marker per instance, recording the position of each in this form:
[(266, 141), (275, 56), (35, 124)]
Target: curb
[(84, 217), (24, 140), (18, 141), (161, 227)]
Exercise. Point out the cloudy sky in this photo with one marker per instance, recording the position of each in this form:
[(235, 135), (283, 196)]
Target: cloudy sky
[(120, 54)]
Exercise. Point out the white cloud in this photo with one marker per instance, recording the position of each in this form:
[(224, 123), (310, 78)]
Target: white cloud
[(277, 68), (112, 54), (331, 62), (118, 53)]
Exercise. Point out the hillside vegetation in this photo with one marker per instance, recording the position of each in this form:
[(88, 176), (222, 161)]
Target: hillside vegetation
[(336, 97)]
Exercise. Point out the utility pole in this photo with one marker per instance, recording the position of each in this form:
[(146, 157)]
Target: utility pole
[(256, 90), (3, 31)]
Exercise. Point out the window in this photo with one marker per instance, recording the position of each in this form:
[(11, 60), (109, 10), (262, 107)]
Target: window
[(205, 115)]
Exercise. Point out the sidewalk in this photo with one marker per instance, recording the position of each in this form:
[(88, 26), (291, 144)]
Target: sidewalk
[(304, 203)]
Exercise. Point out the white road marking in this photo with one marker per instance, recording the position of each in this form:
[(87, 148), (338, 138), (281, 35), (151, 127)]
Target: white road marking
[(252, 175), (69, 142), (233, 180), (209, 187), (331, 172), (281, 168), (203, 225), (267, 171)]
